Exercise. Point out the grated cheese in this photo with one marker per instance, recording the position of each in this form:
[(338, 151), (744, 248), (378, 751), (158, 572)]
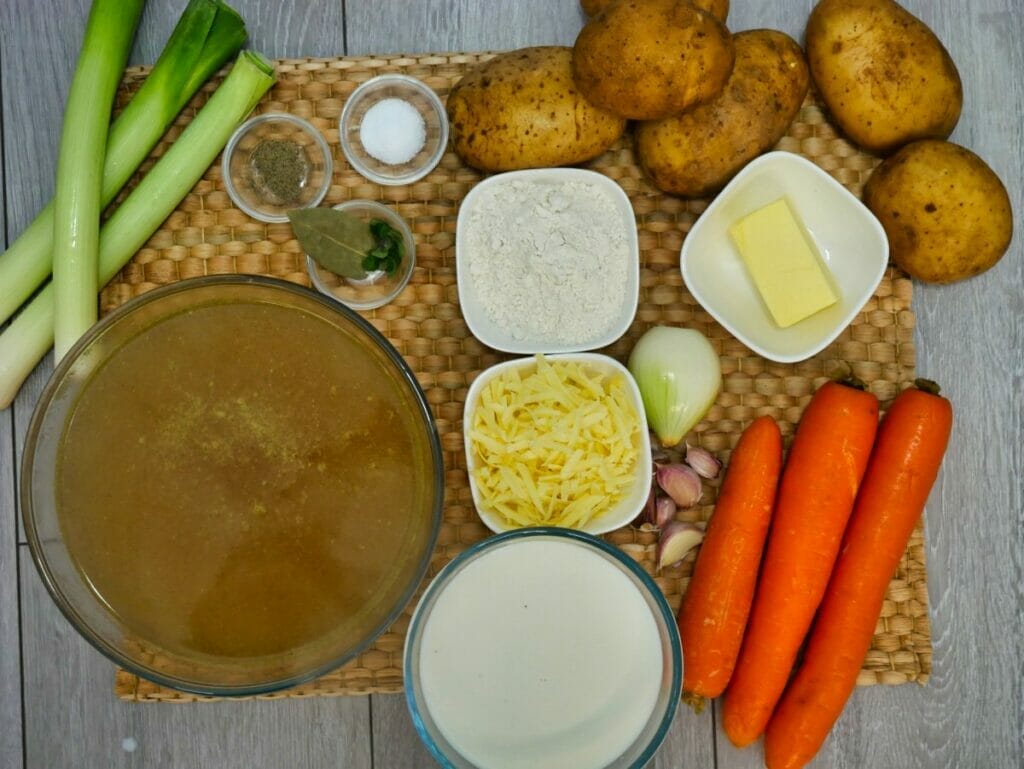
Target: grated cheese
[(556, 446)]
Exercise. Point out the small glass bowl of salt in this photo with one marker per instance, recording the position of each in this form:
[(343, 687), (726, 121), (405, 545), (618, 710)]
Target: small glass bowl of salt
[(394, 129)]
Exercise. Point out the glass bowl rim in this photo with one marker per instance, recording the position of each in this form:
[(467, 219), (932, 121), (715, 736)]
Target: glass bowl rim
[(248, 125), (399, 287), (346, 116), (646, 584), (52, 585)]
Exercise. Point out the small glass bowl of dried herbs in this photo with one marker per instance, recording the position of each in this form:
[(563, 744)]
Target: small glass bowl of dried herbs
[(361, 253), (275, 163)]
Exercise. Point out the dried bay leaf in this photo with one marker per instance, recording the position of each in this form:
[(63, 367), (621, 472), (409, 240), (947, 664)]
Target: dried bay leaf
[(337, 241)]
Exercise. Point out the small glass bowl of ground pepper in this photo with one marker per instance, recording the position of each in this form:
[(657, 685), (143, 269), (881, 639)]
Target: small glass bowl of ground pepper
[(275, 163), (378, 287)]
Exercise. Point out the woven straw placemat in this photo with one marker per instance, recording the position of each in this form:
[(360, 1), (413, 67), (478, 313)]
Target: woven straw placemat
[(208, 235)]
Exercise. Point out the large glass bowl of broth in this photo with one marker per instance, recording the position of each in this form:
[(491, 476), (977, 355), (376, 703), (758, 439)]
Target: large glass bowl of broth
[(232, 485)]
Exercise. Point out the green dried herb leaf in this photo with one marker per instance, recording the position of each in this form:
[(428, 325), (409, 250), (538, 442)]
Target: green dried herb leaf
[(337, 241), (389, 249)]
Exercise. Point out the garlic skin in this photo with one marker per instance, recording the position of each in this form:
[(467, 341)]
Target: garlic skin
[(703, 461), (680, 482), (677, 540), (664, 511)]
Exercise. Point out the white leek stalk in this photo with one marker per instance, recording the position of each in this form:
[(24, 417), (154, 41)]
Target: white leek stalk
[(24, 343), (679, 376), (208, 33), (76, 204)]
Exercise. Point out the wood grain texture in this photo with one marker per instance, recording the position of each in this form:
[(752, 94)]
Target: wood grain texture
[(400, 26), (279, 30), (74, 721), (11, 753), (970, 338)]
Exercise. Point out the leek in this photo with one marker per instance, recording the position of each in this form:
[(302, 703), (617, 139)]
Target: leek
[(24, 343), (208, 33), (679, 376), (76, 204)]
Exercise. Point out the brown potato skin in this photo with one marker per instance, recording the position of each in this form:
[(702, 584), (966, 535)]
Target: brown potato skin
[(522, 109), (717, 8), (696, 153), (946, 213), (884, 75), (649, 59)]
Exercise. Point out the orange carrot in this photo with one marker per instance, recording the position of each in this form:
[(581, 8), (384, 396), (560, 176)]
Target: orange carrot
[(714, 612), (904, 463), (816, 493)]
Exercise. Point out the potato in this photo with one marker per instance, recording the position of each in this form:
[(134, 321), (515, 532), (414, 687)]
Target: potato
[(522, 109), (649, 59), (884, 75), (717, 8), (696, 153), (946, 213)]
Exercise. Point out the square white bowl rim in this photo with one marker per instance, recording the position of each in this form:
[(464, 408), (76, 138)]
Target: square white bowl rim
[(828, 323), (631, 504), (490, 333)]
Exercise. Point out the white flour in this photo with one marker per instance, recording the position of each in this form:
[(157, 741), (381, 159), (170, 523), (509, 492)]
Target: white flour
[(548, 261)]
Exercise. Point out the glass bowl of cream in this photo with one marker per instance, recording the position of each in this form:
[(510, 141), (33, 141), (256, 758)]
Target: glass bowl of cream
[(393, 129), (543, 647)]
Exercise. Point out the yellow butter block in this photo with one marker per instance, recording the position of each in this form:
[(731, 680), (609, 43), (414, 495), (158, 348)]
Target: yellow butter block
[(788, 274)]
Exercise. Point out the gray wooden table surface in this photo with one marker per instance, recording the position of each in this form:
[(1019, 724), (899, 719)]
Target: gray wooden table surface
[(57, 708)]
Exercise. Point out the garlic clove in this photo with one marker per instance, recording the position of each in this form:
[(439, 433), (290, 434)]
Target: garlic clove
[(703, 461), (664, 511), (680, 482), (677, 539)]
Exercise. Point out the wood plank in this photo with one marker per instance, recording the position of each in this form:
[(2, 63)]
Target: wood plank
[(398, 26), (73, 720), (36, 80), (284, 29), (395, 742), (11, 749)]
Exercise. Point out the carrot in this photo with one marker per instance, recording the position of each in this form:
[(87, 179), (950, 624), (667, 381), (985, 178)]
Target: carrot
[(904, 463), (816, 493), (717, 602)]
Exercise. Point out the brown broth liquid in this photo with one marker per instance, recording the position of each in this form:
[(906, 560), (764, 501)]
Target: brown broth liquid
[(243, 480)]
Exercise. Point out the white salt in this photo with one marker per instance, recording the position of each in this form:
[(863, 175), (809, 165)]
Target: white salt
[(393, 131)]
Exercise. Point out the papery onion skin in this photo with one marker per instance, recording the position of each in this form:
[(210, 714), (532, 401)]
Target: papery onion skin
[(679, 376)]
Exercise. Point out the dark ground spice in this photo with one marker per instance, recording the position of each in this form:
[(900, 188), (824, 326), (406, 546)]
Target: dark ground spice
[(279, 170)]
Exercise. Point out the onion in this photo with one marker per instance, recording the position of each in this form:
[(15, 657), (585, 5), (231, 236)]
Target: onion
[(679, 376)]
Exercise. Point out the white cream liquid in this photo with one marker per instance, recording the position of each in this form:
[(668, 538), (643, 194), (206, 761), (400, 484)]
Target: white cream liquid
[(541, 653)]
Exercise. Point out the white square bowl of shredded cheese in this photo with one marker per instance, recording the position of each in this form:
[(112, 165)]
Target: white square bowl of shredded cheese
[(557, 440), (547, 261)]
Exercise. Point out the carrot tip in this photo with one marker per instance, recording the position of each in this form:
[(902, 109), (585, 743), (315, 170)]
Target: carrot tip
[(927, 385), (695, 701)]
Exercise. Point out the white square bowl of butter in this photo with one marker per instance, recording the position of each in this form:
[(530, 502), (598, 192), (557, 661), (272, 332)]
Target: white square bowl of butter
[(532, 448), (757, 270)]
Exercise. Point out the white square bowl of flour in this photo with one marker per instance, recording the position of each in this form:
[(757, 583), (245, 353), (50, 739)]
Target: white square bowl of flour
[(547, 261)]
